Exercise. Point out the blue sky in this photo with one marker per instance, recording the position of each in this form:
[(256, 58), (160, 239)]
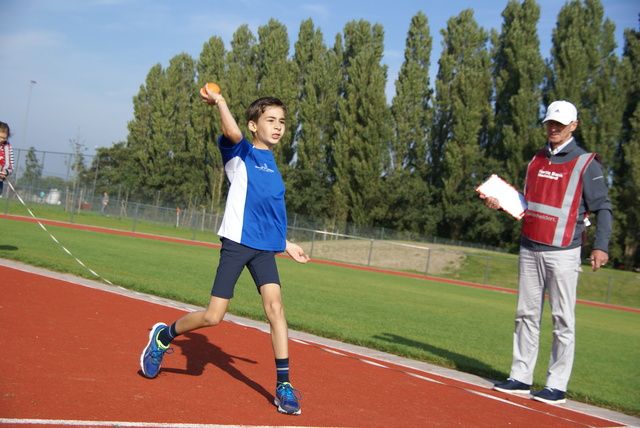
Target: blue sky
[(89, 57)]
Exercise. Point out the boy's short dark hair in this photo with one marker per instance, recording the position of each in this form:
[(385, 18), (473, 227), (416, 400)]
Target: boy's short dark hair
[(257, 108)]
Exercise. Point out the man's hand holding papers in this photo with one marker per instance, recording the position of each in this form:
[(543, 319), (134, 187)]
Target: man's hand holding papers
[(500, 194)]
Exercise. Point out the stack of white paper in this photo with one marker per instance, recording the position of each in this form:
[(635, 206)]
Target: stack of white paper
[(510, 199)]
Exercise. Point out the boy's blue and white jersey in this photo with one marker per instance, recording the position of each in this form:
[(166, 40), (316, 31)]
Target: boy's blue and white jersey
[(255, 213)]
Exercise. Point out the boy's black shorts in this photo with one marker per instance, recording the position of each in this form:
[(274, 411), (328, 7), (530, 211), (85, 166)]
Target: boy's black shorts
[(233, 258)]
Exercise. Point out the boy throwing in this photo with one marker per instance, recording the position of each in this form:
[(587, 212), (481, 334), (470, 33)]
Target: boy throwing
[(252, 232)]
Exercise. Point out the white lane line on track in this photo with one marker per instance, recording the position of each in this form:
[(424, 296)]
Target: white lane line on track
[(428, 379), (125, 424)]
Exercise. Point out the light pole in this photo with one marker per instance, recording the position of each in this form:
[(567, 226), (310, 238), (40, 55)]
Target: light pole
[(24, 129)]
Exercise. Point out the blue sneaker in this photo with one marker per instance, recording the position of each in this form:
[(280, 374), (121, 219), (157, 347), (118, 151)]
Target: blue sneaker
[(550, 396), (512, 386), (287, 399), (151, 358)]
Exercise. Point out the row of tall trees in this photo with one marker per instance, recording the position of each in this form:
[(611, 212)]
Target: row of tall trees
[(412, 163)]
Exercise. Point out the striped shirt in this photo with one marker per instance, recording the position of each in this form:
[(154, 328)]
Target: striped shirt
[(6, 157)]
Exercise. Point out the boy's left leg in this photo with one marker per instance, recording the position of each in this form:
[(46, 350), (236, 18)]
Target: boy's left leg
[(274, 310), (286, 396)]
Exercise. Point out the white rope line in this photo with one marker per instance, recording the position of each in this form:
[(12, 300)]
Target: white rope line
[(54, 238)]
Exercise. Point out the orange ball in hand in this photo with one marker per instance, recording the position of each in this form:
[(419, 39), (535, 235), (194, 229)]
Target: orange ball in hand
[(212, 88)]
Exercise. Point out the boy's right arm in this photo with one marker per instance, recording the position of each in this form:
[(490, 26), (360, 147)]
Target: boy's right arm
[(230, 127)]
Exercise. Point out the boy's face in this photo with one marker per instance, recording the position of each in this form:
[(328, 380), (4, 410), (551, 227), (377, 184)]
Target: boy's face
[(269, 129)]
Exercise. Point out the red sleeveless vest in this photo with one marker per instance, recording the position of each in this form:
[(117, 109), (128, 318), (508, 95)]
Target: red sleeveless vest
[(553, 194)]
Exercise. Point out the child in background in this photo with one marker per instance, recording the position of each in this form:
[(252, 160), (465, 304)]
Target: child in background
[(6, 154)]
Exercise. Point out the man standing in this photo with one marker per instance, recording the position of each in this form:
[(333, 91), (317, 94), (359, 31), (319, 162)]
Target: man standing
[(564, 183)]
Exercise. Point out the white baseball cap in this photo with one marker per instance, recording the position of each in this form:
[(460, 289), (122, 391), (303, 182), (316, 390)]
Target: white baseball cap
[(561, 111)]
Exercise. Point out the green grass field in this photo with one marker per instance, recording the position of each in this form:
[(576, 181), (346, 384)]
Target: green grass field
[(616, 287), (465, 328)]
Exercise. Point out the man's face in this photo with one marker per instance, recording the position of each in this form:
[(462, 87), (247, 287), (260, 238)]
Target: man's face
[(558, 134)]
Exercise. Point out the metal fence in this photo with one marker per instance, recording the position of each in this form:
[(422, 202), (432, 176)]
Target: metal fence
[(327, 240), (441, 262)]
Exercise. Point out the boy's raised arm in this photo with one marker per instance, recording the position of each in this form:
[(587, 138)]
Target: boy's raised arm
[(230, 127)]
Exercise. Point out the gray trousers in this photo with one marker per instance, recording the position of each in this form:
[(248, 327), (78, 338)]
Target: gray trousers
[(555, 272)]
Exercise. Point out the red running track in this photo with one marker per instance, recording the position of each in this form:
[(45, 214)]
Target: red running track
[(71, 352)]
